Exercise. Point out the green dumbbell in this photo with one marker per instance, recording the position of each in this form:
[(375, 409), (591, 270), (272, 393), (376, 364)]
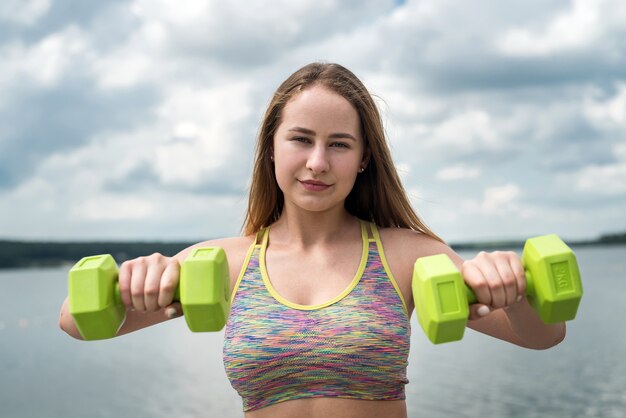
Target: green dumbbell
[(553, 288), (96, 305)]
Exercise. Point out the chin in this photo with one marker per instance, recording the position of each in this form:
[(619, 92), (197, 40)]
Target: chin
[(311, 204)]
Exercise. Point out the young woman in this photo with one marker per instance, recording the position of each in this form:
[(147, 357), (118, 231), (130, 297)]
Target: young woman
[(321, 278)]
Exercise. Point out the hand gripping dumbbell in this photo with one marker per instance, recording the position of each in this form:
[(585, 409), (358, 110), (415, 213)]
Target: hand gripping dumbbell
[(442, 299), (203, 291)]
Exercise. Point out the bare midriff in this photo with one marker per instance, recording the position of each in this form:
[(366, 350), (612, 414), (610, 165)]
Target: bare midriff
[(332, 408)]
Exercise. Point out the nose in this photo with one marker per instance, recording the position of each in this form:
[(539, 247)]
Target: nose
[(317, 161)]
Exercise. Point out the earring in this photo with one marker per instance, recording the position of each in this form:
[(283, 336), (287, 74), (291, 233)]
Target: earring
[(362, 169)]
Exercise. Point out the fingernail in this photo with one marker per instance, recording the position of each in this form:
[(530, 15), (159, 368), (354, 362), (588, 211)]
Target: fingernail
[(170, 312), (483, 310), (519, 298)]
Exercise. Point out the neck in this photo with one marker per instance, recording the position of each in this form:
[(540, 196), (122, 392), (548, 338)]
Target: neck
[(307, 229)]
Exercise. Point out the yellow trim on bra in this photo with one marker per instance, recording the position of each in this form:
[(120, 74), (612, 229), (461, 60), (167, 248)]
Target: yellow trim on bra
[(347, 290), (381, 252), (244, 267)]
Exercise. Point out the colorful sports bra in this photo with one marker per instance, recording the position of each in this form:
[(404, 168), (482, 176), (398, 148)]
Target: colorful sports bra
[(354, 346)]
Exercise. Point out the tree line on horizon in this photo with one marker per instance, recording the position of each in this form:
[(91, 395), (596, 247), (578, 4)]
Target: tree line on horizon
[(18, 254)]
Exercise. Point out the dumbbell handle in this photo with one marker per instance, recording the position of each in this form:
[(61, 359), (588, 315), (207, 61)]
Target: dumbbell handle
[(80, 286), (565, 287), (117, 294), (96, 305), (553, 288), (555, 280), (472, 299)]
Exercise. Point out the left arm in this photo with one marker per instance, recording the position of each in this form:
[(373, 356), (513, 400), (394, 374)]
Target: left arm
[(497, 279), (520, 325), (499, 282)]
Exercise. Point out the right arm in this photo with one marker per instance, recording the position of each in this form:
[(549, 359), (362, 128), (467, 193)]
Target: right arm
[(147, 286), (134, 321)]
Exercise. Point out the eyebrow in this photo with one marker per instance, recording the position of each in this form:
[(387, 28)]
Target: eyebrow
[(312, 133)]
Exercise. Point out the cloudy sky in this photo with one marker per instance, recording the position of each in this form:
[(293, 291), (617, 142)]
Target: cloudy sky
[(137, 119)]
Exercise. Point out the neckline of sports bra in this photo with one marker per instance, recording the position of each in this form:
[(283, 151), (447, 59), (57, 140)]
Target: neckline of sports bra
[(355, 280)]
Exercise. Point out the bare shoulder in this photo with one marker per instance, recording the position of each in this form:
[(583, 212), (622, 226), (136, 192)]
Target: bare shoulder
[(402, 247), (406, 245), (235, 248), (230, 245)]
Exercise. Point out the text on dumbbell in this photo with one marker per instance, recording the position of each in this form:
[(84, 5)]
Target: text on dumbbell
[(561, 276)]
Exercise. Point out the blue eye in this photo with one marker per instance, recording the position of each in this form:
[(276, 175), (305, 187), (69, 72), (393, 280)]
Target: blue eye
[(301, 139), (340, 145)]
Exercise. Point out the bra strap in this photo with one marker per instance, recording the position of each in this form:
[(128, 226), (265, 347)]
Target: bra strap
[(375, 233), (258, 238), (265, 237)]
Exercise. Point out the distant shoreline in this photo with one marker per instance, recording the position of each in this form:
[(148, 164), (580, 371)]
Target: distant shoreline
[(501, 245), (24, 254)]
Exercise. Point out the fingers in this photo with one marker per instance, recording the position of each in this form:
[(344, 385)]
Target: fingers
[(124, 283), (169, 282), (150, 292), (520, 275), (514, 276), (149, 283), (174, 310), (137, 283), (476, 280), (478, 311), (497, 279)]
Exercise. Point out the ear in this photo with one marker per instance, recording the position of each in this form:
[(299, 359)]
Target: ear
[(366, 157)]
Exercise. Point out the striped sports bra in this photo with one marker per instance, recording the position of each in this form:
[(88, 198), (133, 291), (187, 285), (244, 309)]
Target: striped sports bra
[(354, 346)]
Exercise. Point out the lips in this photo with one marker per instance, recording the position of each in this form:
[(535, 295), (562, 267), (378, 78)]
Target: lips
[(314, 182), (314, 185)]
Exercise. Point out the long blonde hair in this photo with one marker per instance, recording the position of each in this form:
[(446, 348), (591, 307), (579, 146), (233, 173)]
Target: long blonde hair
[(377, 196)]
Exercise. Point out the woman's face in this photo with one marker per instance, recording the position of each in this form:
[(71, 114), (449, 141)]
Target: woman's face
[(318, 150)]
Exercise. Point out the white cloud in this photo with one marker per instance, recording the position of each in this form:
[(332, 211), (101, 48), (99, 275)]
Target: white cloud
[(404, 170), (620, 151), (458, 172), (454, 109), (44, 63), (499, 199), (136, 69), (587, 25), (471, 130), (401, 101), (610, 112), (84, 170), (209, 142), (113, 208), (140, 59), (23, 12), (193, 137), (576, 28), (607, 179), (236, 36)]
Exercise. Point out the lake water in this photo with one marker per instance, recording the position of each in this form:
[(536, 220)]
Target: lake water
[(167, 371)]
